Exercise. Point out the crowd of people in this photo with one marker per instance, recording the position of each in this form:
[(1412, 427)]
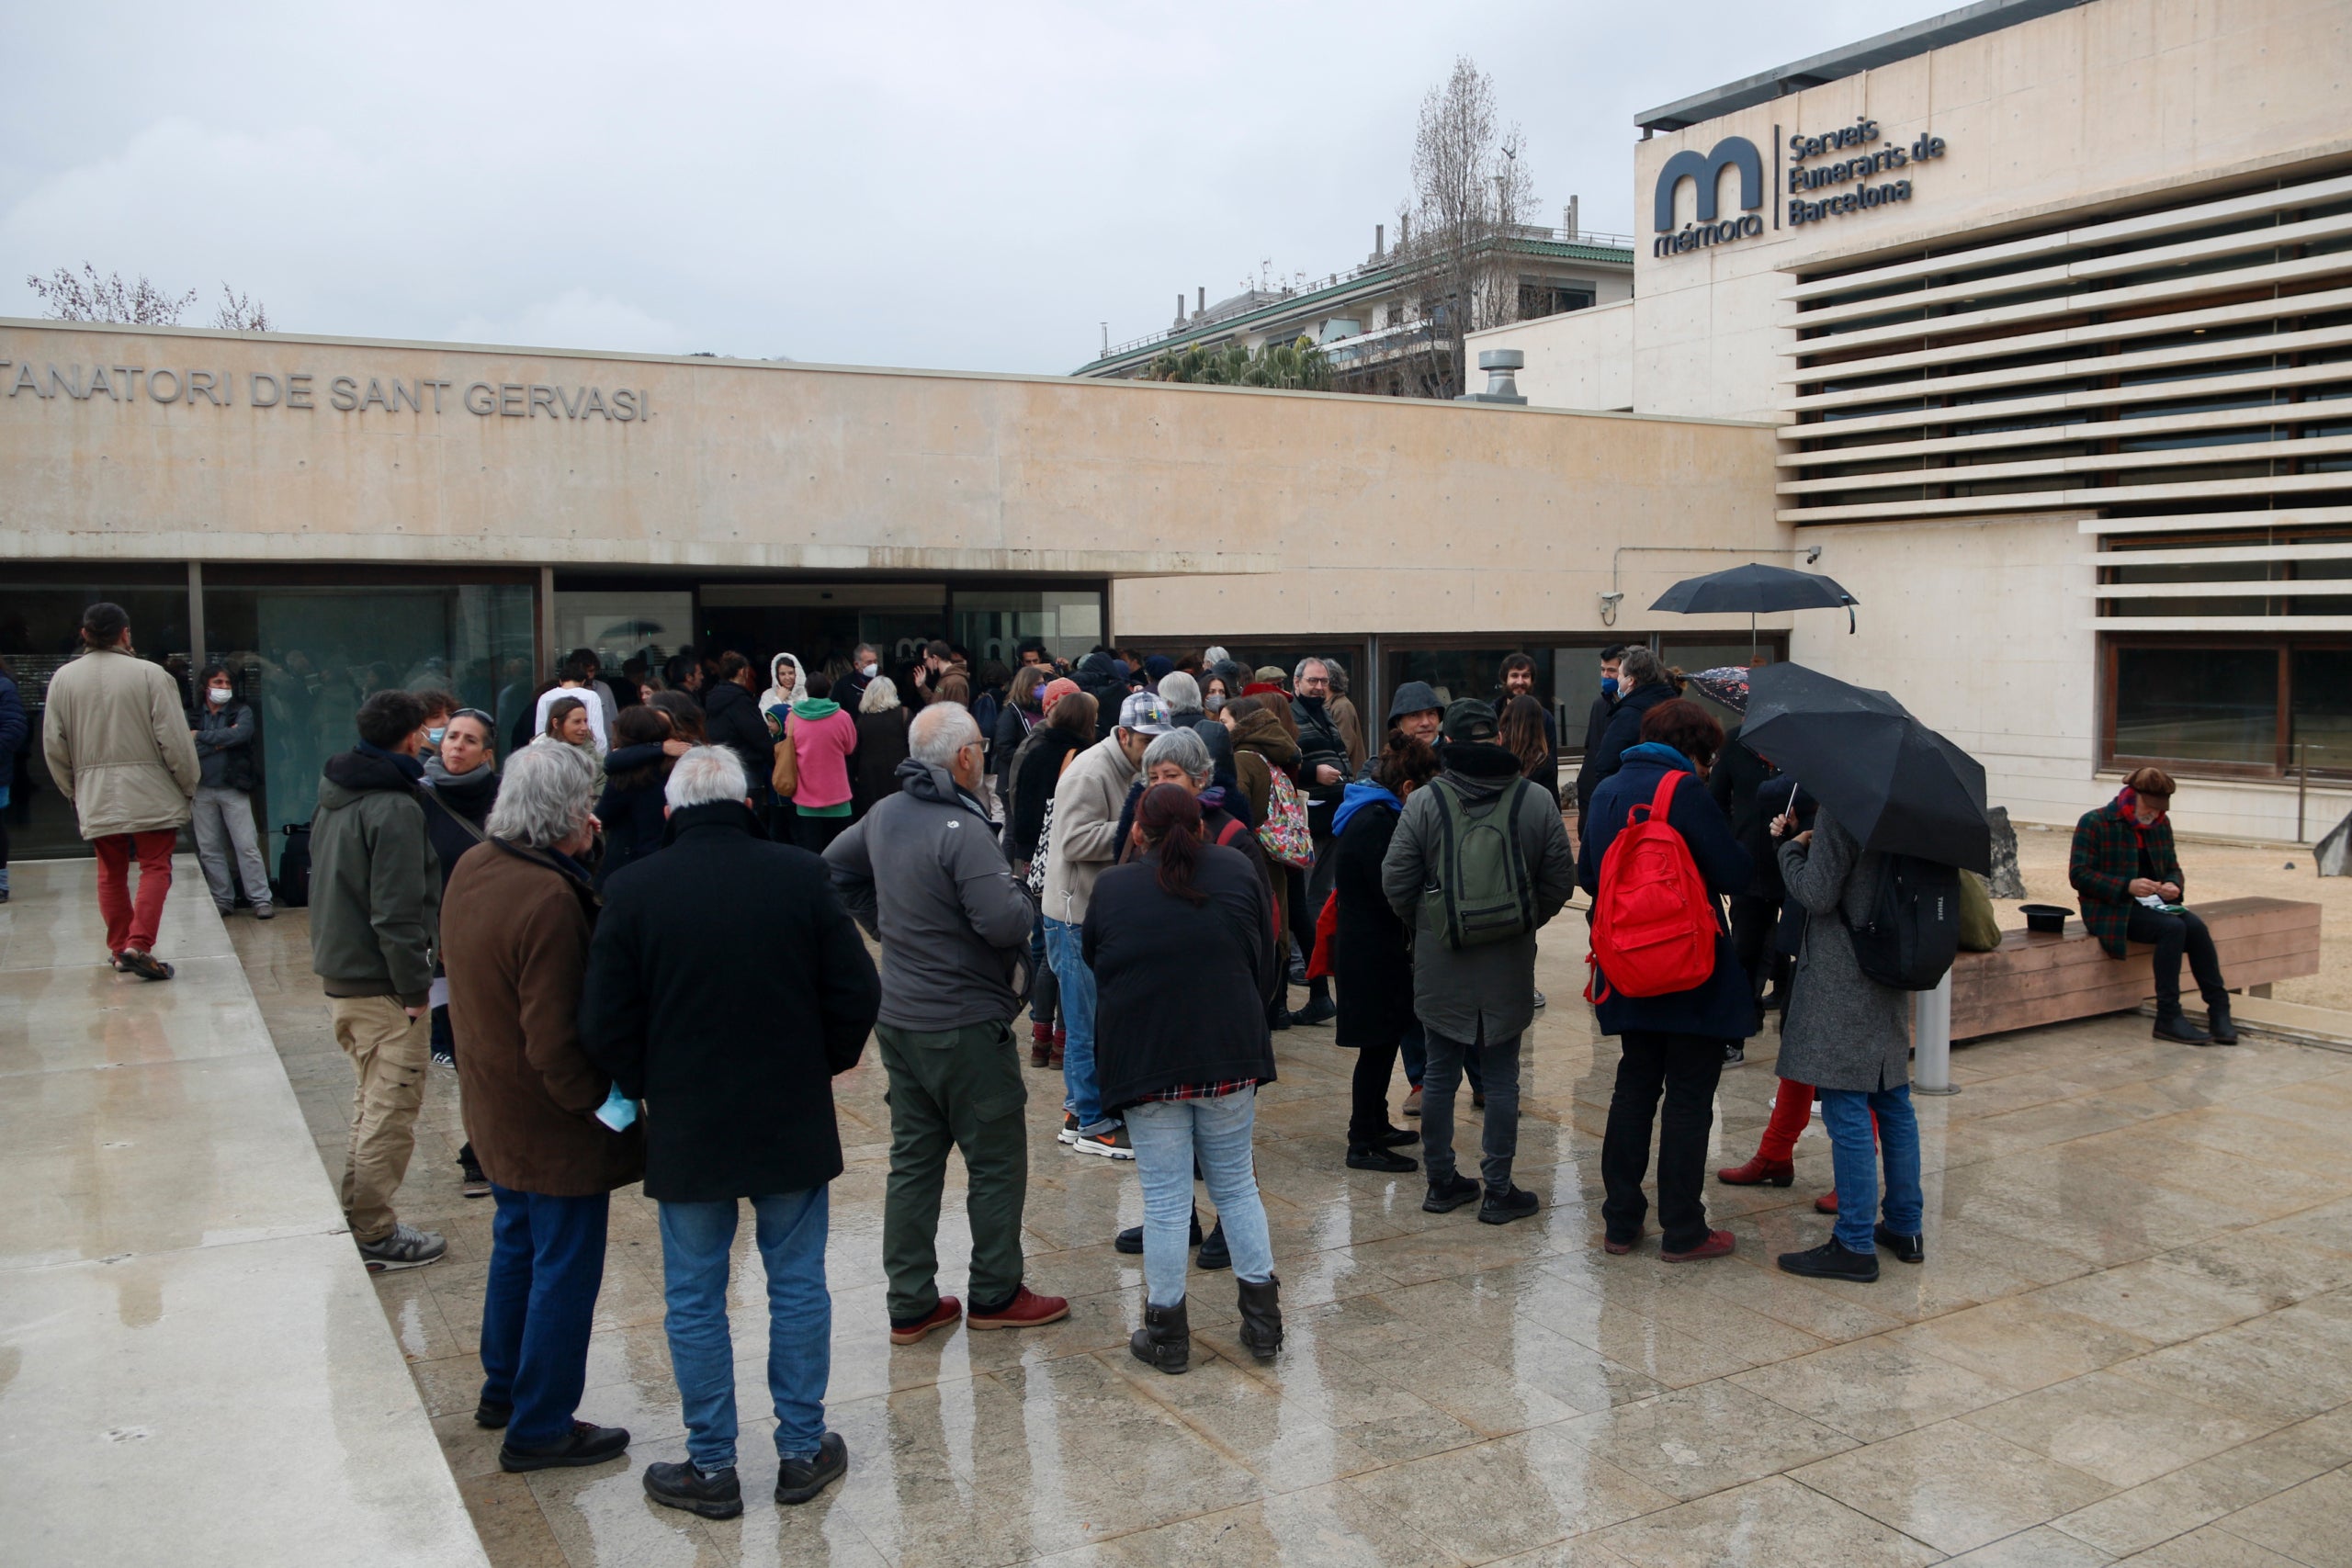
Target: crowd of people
[(1148, 854)]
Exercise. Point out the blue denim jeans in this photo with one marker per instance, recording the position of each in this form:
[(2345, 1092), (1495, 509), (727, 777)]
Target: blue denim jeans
[(1168, 1134), (1082, 1089), (546, 1263), (1846, 1114), (1492, 1067), (696, 1241)]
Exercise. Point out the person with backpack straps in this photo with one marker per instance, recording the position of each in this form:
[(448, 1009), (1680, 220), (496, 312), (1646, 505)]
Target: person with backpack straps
[(1848, 1035), (1478, 864), (1658, 858)]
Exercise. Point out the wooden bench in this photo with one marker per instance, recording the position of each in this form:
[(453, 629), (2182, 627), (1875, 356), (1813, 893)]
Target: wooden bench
[(2031, 980)]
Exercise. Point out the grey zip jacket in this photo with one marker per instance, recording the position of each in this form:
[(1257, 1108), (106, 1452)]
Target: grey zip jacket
[(921, 872)]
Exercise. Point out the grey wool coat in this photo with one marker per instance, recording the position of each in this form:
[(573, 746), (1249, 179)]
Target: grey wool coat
[(1844, 1030)]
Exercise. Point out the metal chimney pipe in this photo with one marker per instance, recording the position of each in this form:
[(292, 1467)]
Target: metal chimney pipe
[(1204, 308), (1379, 241), (1572, 217), (1180, 306)]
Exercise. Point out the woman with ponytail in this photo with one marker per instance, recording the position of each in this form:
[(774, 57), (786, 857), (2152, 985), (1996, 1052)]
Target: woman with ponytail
[(1181, 943)]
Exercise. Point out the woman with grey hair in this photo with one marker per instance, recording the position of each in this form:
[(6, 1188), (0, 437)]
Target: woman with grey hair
[(515, 927), (882, 726)]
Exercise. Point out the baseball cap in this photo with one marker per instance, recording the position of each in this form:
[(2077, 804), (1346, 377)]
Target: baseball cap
[(1145, 714), (1468, 719)]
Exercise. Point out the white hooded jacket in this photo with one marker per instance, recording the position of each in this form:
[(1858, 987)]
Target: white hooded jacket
[(774, 696)]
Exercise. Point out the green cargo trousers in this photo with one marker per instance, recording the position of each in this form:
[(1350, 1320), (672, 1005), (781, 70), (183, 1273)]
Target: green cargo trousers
[(960, 1089)]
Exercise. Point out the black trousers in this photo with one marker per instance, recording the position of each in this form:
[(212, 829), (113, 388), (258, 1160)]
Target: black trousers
[(2174, 935), (1684, 1068), (1368, 1120)]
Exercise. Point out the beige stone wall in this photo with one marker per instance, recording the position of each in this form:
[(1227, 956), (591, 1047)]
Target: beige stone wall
[(1578, 359), (2103, 103)]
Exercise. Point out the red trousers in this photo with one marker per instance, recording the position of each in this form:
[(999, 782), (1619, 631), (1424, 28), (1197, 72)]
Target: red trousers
[(1792, 1108), (130, 927)]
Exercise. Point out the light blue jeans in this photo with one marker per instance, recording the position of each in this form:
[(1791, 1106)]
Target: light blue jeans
[(696, 1241), (1081, 1088), (1846, 1115), (1168, 1134)]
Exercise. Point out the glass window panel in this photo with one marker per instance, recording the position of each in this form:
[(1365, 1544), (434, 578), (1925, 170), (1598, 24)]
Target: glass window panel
[(40, 632), (994, 623), (621, 627), (2198, 705), (2322, 684), (307, 656), (1459, 673)]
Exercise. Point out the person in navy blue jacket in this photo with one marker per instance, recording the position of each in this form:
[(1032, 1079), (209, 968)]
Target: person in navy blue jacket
[(1672, 1043)]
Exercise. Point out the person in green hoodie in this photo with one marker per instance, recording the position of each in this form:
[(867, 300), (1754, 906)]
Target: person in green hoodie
[(375, 921), (824, 739)]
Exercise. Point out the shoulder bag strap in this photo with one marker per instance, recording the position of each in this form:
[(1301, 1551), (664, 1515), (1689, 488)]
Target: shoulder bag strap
[(452, 813)]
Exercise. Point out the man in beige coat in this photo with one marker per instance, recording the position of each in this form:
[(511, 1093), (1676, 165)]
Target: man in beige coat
[(117, 739)]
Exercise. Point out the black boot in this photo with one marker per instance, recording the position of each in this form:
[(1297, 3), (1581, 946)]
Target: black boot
[(1213, 1253), (2171, 1025), (1130, 1241), (1261, 1317), (1363, 1157), (1165, 1340), (1319, 1009), (2219, 1024)]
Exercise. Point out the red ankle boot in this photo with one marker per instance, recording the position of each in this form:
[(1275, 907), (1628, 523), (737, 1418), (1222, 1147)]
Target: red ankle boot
[(1826, 1203), (1759, 1172)]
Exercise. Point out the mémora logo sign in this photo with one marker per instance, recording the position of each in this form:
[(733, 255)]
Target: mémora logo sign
[(1810, 168)]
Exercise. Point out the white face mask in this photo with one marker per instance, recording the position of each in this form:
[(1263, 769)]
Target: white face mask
[(217, 695), (869, 670)]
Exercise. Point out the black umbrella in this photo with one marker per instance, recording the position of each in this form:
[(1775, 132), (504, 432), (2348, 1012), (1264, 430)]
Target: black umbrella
[(1758, 590), (1895, 785)]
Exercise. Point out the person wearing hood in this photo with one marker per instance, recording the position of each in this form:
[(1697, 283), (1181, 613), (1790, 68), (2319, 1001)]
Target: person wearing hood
[(882, 722), (375, 923), (1642, 684), (1372, 957), (786, 682), (460, 786), (734, 719), (921, 872), (822, 738), (1415, 709), (1101, 675), (1477, 997), (1671, 1044)]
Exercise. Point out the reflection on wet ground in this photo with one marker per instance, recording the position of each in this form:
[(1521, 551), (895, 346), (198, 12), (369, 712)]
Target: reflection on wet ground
[(2133, 1336)]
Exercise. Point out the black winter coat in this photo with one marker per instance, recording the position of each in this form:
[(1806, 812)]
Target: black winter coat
[(1371, 953), (466, 795), (1319, 741), (1045, 752), (1181, 989), (873, 767), (731, 718), (634, 824), (726, 987), (1738, 774), (1623, 732)]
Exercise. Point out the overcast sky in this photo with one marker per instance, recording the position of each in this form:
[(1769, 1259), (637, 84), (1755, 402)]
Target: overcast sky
[(914, 183)]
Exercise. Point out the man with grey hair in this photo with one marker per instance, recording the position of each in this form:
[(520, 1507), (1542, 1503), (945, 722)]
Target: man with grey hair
[(727, 988), (1186, 710), (922, 872), (516, 925), (1644, 683)]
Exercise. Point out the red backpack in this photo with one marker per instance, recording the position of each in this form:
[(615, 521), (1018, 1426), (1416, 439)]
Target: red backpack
[(1654, 922)]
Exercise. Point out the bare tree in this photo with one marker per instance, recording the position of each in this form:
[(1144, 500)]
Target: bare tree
[(1472, 188), (240, 313), (66, 296), (89, 298)]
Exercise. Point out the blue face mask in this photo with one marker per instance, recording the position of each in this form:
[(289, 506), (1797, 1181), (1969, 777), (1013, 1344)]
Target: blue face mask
[(1609, 685), (434, 734)]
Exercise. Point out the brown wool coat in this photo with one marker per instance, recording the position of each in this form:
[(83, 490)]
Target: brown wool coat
[(514, 933)]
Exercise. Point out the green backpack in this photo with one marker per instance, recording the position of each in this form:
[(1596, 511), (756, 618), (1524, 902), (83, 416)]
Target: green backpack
[(1482, 891)]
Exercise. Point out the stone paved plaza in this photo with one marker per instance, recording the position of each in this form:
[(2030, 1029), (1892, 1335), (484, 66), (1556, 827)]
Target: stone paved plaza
[(2133, 1337)]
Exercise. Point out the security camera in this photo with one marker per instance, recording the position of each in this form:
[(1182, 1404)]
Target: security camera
[(1608, 602), (1813, 554)]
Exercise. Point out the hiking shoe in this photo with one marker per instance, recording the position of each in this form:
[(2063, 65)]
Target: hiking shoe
[(404, 1247), (1068, 1134), (1830, 1261), (1027, 1309), (1362, 1157), (947, 1311), (1715, 1244), (493, 1415), (585, 1444), (1113, 1144), (1446, 1196), (679, 1484), (1130, 1241), (1318, 1010), (1213, 1253), (1513, 1203), (1413, 1101), (798, 1480)]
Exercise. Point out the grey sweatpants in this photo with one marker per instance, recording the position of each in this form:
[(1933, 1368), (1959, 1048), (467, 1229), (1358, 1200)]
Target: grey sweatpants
[(224, 824)]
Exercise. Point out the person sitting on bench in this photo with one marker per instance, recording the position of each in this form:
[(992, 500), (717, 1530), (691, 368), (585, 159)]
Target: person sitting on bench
[(2130, 879)]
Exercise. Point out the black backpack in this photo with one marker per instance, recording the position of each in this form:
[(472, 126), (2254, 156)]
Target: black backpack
[(1913, 933), (294, 867)]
